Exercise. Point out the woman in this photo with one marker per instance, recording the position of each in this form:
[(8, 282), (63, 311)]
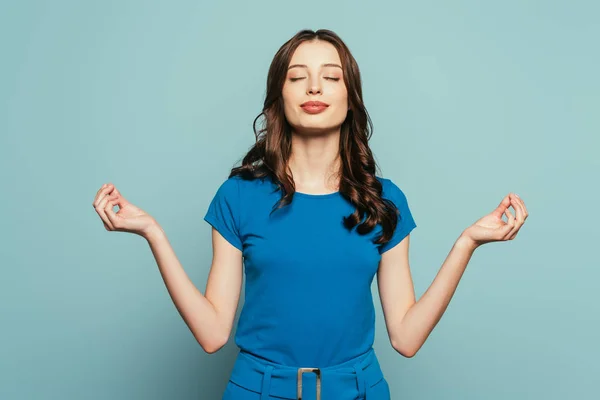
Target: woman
[(309, 222)]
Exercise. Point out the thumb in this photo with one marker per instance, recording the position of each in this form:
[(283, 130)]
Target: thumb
[(110, 214), (499, 211), (120, 200)]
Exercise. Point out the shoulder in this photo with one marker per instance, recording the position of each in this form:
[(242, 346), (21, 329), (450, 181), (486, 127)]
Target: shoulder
[(391, 190), (384, 181), (229, 187), (241, 187)]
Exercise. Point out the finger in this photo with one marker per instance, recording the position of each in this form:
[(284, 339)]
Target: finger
[(513, 232), (516, 203), (102, 193), (98, 193), (123, 202), (504, 204), (514, 229), (102, 213), (100, 209), (520, 218), (509, 225), (509, 216), (525, 212), (101, 187), (111, 215)]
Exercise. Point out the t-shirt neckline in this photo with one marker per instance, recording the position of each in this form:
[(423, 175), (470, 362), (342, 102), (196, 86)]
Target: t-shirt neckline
[(310, 195), (316, 196)]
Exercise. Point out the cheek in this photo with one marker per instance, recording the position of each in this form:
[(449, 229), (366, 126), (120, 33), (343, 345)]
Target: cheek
[(291, 114), (340, 94), (289, 98), (341, 100), (342, 104)]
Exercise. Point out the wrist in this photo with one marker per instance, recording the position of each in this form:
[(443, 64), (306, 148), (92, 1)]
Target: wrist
[(154, 232), (466, 242)]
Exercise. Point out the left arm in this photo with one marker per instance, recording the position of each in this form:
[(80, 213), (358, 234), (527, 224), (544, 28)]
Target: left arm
[(410, 322), (416, 320)]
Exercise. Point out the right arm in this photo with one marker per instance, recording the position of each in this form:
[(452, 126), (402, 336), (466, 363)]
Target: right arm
[(209, 317)]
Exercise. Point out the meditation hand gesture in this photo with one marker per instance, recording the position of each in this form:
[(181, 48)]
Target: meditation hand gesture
[(129, 218), (492, 228)]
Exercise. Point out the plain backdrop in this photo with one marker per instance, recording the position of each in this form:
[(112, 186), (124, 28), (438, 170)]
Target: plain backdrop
[(470, 101)]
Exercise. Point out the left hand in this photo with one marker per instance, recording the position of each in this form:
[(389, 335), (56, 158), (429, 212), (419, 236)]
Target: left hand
[(492, 228)]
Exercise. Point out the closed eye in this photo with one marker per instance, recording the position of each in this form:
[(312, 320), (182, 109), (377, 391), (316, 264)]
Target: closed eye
[(329, 78)]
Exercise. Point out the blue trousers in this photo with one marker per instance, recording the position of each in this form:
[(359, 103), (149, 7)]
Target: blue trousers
[(253, 378)]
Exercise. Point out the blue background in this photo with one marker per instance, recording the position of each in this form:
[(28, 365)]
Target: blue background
[(471, 100)]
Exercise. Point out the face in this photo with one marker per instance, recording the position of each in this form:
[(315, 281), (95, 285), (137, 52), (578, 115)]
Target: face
[(315, 74)]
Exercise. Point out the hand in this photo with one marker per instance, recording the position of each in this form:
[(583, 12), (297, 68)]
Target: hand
[(129, 218), (492, 228)]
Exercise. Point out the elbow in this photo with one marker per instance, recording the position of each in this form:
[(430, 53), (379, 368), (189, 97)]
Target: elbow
[(405, 351), (409, 354), (211, 348)]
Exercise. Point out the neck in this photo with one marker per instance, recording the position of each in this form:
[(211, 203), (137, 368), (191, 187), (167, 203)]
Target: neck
[(315, 163)]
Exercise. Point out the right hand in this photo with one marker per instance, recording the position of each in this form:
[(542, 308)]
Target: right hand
[(129, 218)]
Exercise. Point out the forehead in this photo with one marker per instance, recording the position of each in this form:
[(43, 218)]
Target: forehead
[(315, 53)]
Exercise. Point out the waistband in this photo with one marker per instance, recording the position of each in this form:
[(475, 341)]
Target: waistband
[(355, 376)]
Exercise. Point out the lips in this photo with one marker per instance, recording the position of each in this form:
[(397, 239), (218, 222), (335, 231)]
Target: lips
[(314, 107), (314, 104)]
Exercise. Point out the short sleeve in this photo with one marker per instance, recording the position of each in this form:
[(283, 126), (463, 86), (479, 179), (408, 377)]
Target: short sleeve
[(224, 212), (406, 222)]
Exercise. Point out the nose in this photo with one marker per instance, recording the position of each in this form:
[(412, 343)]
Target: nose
[(314, 87)]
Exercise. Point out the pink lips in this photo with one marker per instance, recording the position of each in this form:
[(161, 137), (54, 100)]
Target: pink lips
[(314, 107)]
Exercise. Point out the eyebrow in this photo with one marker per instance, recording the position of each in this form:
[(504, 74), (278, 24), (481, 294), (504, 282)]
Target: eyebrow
[(322, 65)]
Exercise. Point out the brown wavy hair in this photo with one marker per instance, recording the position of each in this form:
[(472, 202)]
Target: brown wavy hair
[(268, 157)]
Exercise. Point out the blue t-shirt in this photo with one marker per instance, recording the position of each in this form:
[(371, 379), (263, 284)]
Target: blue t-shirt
[(308, 283)]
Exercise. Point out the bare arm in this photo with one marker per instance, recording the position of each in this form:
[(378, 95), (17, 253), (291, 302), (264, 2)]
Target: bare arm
[(423, 315), (409, 323), (210, 317)]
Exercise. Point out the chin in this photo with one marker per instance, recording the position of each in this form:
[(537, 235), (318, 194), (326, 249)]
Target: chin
[(315, 129)]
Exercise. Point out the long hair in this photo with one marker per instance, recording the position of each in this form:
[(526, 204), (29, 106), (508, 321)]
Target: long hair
[(268, 157)]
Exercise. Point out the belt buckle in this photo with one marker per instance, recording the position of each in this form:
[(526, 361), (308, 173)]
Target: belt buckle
[(317, 371)]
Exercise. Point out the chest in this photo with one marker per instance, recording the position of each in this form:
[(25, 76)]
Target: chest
[(307, 240)]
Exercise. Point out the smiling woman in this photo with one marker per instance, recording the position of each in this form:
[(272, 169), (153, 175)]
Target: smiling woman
[(309, 216), (312, 87), (309, 222)]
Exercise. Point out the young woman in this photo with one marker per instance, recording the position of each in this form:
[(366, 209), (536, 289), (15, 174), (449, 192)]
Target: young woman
[(310, 223)]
